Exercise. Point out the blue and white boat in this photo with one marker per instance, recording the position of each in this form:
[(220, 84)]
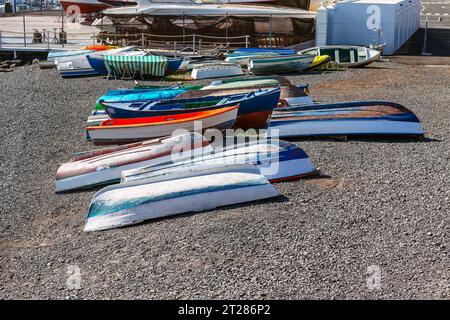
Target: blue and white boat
[(255, 108), (172, 194), (349, 118), (277, 160)]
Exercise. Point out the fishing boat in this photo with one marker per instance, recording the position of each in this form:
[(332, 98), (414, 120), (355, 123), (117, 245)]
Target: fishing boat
[(130, 203), (349, 56), (120, 131), (105, 166), (277, 160), (255, 108), (216, 71), (346, 119), (282, 64), (76, 66)]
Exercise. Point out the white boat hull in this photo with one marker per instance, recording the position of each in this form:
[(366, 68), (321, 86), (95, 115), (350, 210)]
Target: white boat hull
[(216, 72), (344, 127), (132, 203)]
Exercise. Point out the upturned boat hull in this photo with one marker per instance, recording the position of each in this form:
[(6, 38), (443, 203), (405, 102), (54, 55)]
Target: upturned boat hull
[(282, 64), (277, 160), (352, 118), (105, 166), (131, 203)]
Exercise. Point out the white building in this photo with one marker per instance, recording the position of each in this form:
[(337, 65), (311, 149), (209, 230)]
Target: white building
[(365, 22)]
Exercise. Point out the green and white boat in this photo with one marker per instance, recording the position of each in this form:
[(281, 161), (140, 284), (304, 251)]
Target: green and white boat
[(349, 56)]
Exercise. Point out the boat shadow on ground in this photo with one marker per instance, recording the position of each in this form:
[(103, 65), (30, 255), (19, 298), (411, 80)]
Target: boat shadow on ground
[(219, 210), (373, 139)]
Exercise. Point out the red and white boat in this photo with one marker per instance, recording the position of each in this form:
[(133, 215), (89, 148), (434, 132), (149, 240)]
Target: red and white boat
[(83, 6)]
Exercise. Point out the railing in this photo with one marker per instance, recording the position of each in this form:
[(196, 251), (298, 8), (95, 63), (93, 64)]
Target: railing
[(56, 38)]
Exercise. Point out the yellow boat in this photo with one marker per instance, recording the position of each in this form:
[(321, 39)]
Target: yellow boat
[(318, 62)]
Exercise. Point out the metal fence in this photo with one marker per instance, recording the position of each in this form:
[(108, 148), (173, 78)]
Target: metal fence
[(57, 38)]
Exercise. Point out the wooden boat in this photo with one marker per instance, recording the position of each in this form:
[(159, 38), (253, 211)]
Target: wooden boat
[(348, 118), (349, 56), (130, 203), (208, 72), (282, 64), (119, 131), (255, 108), (277, 160), (105, 166), (79, 65)]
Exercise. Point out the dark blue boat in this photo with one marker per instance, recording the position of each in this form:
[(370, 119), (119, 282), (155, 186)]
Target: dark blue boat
[(255, 108)]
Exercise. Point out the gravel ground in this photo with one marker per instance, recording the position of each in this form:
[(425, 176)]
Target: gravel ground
[(376, 203)]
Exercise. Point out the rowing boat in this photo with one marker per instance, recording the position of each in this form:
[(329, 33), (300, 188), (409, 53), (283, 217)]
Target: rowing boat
[(349, 56), (279, 51), (277, 160), (348, 118), (255, 108), (105, 166), (130, 203), (282, 64), (120, 131)]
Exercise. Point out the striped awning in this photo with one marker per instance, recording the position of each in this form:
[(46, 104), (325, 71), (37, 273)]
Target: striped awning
[(146, 65)]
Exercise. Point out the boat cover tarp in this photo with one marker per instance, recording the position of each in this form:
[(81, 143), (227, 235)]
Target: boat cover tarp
[(147, 65)]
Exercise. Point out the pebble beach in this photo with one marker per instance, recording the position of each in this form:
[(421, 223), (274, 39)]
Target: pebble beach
[(375, 203)]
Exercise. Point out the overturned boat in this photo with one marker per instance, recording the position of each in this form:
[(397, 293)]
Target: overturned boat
[(277, 160), (198, 190), (105, 166), (364, 118)]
